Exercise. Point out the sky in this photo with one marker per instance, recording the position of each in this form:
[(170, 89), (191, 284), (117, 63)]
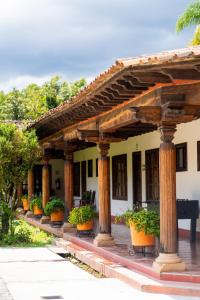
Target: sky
[(81, 38)]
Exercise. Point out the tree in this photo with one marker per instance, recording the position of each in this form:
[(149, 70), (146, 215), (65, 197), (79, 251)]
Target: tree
[(14, 105), (191, 16), (34, 100), (19, 150)]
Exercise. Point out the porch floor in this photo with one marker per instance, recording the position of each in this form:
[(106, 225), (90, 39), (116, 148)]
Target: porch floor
[(189, 252)]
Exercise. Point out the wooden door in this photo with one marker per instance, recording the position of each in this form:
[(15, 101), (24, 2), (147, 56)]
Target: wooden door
[(137, 177), (83, 177), (152, 174)]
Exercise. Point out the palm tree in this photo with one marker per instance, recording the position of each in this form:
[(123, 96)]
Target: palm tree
[(191, 16)]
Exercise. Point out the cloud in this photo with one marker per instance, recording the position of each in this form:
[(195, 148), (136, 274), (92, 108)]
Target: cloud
[(79, 38)]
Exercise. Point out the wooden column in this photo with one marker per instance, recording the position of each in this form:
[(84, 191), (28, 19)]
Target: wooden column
[(104, 237), (30, 184), (19, 191), (168, 259), (68, 183), (45, 182)]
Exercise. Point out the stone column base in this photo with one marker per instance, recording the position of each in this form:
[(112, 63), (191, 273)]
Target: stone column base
[(67, 227), (166, 262), (29, 214), (103, 240), (45, 220)]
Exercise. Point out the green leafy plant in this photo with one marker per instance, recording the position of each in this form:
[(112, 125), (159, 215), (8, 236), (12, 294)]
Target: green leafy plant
[(81, 215), (25, 235), (36, 201), (147, 220), (54, 205)]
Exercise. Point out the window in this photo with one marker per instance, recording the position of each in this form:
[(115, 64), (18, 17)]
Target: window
[(198, 156), (181, 157), (96, 167), (119, 177), (77, 179), (90, 168)]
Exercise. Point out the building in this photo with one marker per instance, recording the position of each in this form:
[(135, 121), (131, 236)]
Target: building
[(139, 123)]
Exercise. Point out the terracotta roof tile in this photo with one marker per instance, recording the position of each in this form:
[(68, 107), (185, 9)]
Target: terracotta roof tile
[(120, 64)]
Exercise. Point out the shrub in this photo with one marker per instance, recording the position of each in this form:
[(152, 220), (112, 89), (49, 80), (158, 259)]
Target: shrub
[(80, 215), (54, 205), (25, 235)]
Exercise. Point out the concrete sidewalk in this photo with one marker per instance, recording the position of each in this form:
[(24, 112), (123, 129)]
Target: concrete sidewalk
[(38, 273)]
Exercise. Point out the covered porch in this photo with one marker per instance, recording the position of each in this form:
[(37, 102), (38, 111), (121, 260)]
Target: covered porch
[(134, 97)]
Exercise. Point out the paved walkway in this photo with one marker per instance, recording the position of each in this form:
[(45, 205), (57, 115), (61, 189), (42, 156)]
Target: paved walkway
[(38, 273)]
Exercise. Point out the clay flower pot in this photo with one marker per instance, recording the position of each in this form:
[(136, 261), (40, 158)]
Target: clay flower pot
[(57, 216), (25, 204), (139, 238), (37, 211), (86, 226)]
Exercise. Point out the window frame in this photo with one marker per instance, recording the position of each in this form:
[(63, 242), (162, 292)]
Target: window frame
[(115, 162), (198, 156), (78, 183), (97, 162), (90, 167), (185, 157)]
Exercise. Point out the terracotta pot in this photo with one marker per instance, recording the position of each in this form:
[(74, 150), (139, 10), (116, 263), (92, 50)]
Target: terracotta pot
[(37, 211), (25, 204), (86, 226), (140, 238), (57, 216)]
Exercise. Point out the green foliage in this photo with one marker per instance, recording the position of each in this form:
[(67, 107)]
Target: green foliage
[(55, 204), (80, 215), (34, 100), (6, 217), (19, 151), (147, 220), (36, 200), (191, 16), (25, 235)]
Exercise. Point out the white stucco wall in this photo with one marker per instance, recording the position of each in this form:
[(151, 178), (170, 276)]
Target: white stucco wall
[(188, 182)]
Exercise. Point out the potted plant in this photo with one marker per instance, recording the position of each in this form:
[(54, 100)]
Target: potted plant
[(25, 202), (55, 208), (36, 206), (82, 217), (144, 226)]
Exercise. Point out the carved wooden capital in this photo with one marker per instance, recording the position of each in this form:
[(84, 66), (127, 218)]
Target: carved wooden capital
[(167, 133), (69, 156), (103, 149), (69, 148)]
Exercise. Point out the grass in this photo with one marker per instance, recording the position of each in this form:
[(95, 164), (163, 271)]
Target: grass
[(25, 235)]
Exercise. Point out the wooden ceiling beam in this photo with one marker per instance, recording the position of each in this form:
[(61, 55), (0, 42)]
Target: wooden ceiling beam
[(151, 77), (186, 74), (122, 119)]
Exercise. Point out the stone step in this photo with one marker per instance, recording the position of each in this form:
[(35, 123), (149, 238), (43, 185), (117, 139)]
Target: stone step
[(136, 279)]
